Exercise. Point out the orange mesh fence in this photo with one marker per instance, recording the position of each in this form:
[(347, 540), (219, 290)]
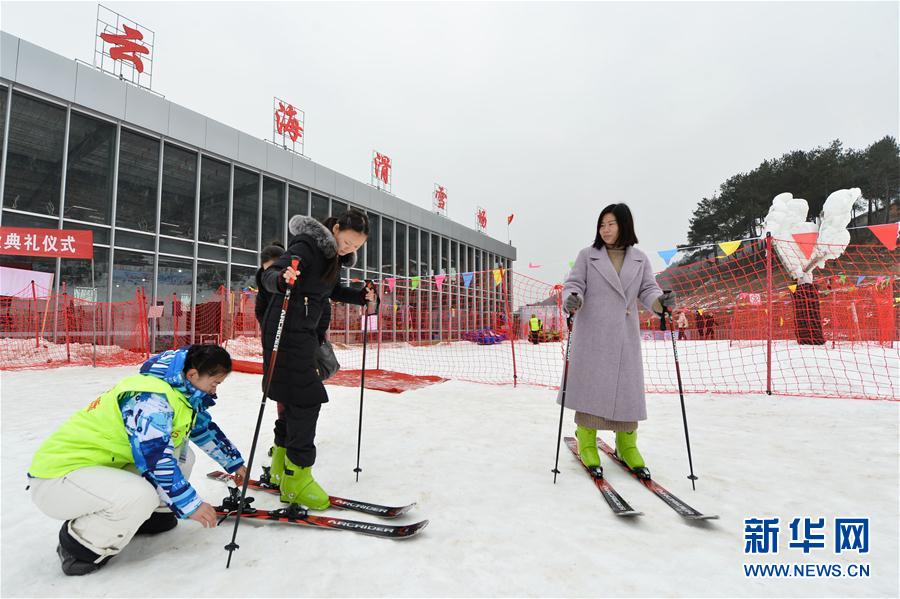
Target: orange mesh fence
[(478, 327), (40, 329), (750, 322)]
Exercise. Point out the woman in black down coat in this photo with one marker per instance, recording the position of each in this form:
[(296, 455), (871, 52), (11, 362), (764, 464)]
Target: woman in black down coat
[(323, 249)]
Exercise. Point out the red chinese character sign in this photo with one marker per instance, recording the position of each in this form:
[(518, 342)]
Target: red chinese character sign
[(49, 243), (287, 127), (439, 203), (481, 218), (381, 171), (123, 47)]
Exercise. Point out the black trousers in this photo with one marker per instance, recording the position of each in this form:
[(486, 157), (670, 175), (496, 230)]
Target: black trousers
[(295, 430)]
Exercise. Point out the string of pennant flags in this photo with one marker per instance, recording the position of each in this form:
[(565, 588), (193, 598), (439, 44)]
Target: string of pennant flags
[(886, 234), (414, 282)]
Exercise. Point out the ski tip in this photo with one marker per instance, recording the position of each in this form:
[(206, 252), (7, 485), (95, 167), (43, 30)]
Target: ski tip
[(412, 529), (629, 513), (703, 517)]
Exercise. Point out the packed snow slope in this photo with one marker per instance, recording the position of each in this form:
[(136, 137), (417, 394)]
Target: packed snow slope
[(477, 459)]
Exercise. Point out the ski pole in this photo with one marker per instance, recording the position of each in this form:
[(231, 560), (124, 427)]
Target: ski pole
[(362, 383), (562, 403), (230, 547), (687, 437)]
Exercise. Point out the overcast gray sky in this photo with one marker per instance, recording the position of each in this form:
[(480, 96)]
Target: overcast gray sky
[(546, 110)]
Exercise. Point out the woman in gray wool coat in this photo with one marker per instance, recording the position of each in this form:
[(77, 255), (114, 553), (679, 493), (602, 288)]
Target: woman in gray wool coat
[(606, 378)]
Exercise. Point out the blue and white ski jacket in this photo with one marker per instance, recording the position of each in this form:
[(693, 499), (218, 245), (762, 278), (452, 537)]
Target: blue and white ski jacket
[(148, 420)]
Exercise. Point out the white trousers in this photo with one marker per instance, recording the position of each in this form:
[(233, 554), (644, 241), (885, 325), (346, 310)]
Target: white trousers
[(104, 506)]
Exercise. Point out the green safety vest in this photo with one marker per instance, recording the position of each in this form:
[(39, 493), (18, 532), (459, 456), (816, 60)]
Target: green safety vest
[(535, 324), (96, 435)]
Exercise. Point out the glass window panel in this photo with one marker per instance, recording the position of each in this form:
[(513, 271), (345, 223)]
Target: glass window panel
[(210, 277), (241, 257), (89, 169), (179, 183), (130, 271), (173, 288), (413, 252), (138, 179), (243, 301), (215, 177), (34, 158), (273, 211), (298, 201), (101, 234), (4, 98), (242, 279), (338, 207), (209, 304), (212, 252), (435, 254), (245, 219), (77, 275), (400, 250), (387, 246), (319, 207), (174, 246), (423, 254), (373, 245), (175, 277), (445, 255), (14, 219), (454, 261), (127, 239)]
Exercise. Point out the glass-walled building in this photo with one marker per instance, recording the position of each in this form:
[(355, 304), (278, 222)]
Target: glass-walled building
[(180, 205)]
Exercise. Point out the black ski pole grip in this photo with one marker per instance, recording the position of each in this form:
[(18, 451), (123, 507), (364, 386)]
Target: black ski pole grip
[(662, 317), (571, 317)]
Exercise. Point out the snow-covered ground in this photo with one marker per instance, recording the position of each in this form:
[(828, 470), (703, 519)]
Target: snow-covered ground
[(477, 459)]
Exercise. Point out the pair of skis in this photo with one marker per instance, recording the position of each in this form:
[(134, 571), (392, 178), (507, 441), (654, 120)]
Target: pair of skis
[(294, 514), (617, 503)]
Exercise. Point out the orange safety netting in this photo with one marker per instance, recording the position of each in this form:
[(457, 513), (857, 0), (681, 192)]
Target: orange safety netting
[(743, 323), (40, 329)]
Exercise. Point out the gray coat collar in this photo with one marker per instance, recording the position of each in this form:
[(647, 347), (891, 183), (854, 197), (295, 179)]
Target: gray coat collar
[(307, 225)]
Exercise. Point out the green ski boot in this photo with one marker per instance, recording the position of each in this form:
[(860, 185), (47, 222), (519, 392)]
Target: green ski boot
[(587, 449), (299, 486), (273, 473), (626, 449)]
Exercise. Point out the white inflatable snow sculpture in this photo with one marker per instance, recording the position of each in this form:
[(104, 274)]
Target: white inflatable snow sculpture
[(787, 217), (833, 233)]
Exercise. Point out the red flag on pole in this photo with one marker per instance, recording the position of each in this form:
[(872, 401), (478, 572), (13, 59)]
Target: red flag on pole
[(509, 219)]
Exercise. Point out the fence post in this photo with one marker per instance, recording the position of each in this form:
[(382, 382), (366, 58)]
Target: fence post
[(509, 323), (221, 341), (144, 321), (769, 314), (66, 320), (834, 331), (380, 327), (174, 321), (37, 329)]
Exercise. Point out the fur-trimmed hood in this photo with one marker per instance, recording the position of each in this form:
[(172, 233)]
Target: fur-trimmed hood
[(307, 225)]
